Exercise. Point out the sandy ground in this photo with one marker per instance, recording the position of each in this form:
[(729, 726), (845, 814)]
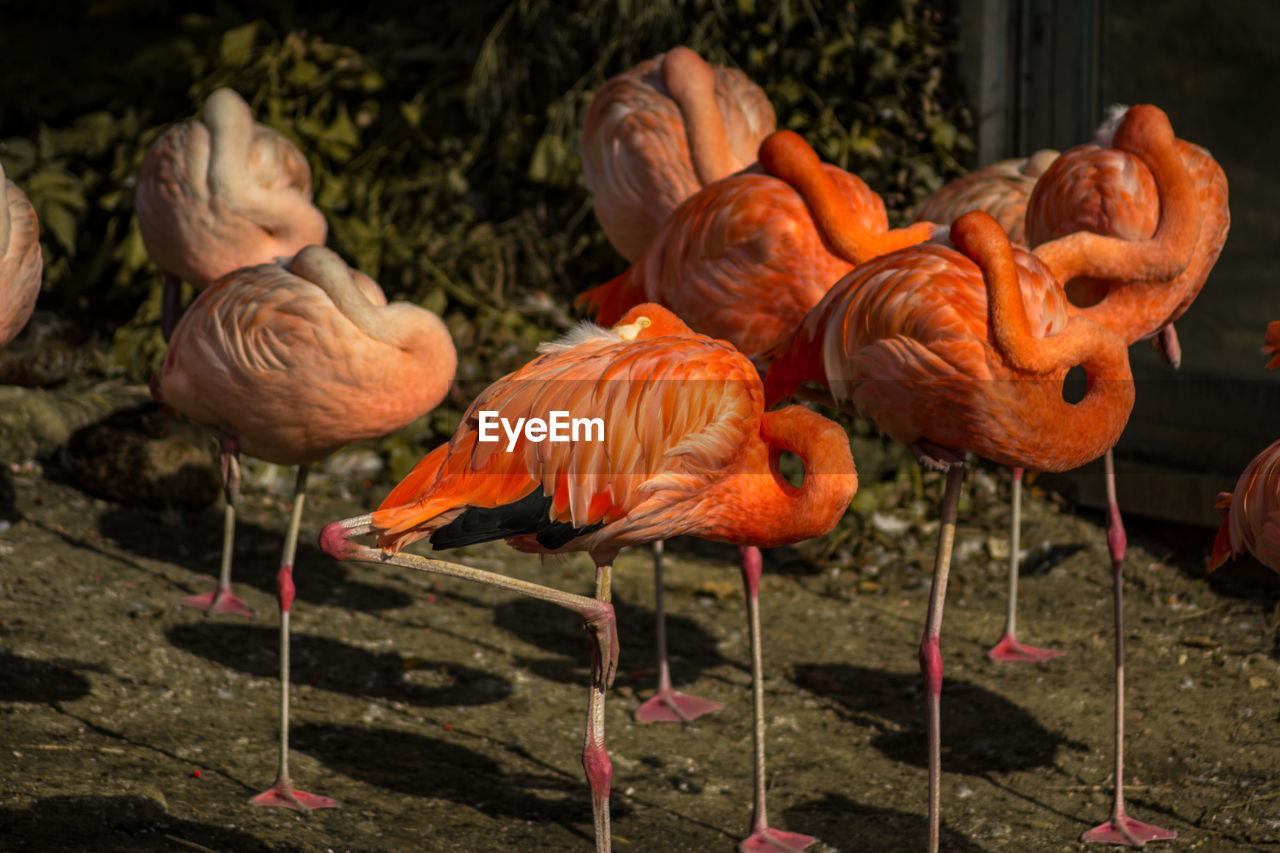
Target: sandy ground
[(445, 716)]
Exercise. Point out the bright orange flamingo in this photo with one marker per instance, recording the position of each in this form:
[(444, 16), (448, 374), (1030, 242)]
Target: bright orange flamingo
[(220, 192), (743, 260), (1099, 188), (746, 257), (1182, 207), (655, 135), (1251, 514), (1001, 189), (288, 363), (916, 353), (652, 137), (20, 261), (683, 446)]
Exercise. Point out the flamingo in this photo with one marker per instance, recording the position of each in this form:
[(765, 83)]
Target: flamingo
[(220, 192), (742, 260), (747, 256), (289, 362), (916, 352), (20, 261), (686, 447), (1100, 187), (1001, 189), (962, 347), (1251, 514), (655, 135)]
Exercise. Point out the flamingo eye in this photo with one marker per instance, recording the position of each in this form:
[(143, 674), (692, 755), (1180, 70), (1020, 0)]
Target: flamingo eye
[(644, 322)]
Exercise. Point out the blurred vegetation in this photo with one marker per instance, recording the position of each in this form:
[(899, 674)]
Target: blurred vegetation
[(442, 138)]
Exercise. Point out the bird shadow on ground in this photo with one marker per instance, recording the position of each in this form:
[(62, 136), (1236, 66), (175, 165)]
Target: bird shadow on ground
[(319, 578), (983, 732), (123, 824), (435, 769), (783, 560), (331, 665), (25, 679), (1040, 561), (554, 629), (847, 825)]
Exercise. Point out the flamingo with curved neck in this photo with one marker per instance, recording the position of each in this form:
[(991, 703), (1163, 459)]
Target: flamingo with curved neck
[(746, 257), (290, 363), (711, 471), (658, 133), (962, 348), (220, 192)]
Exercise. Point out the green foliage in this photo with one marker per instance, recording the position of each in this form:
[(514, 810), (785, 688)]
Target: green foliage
[(443, 141)]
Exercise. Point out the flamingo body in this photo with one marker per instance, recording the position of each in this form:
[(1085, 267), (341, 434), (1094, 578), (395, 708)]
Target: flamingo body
[(639, 140), (296, 362), (745, 258), (1000, 189), (687, 449), (220, 192), (906, 337), (20, 260)]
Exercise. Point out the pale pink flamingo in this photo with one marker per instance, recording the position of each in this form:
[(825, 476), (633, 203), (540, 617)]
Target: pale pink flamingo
[(20, 260), (219, 192), (658, 133), (685, 447), (288, 362)]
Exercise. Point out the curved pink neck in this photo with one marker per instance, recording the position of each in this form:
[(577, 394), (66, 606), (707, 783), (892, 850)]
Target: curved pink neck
[(1146, 133), (786, 156), (692, 84)]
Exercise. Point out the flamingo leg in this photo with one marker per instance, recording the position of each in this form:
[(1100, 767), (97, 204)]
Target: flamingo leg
[(221, 599), (1121, 829), (170, 303), (1165, 343), (930, 648), (597, 616), (1010, 649), (282, 793), (762, 838), (668, 705)]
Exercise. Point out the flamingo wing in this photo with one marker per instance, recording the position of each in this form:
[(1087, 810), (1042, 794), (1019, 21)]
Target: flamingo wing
[(672, 415)]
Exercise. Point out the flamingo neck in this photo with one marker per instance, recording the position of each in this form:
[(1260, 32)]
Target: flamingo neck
[(778, 512), (692, 85), (1145, 133), (854, 236)]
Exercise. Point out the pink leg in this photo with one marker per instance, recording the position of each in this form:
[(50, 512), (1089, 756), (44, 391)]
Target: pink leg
[(282, 793), (1121, 829), (1009, 649), (669, 705), (762, 838), (597, 616), (931, 649), (221, 599), (1167, 347), (170, 303)]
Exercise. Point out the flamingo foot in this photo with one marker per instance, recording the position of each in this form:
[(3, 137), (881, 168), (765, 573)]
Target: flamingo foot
[(1128, 832), (672, 706), (767, 840), (284, 795), (1010, 650), (220, 600)]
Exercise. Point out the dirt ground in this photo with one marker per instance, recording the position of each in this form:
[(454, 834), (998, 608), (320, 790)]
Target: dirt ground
[(445, 716)]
